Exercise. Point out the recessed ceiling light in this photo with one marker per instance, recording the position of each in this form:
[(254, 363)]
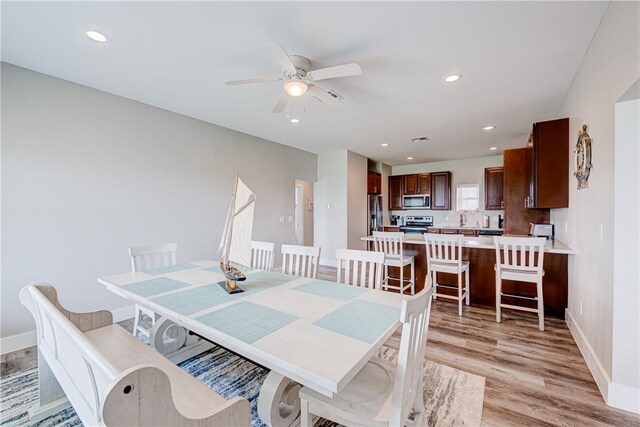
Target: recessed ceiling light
[(294, 120), (409, 158), (453, 78), (488, 128), (96, 36), (385, 144), (493, 148)]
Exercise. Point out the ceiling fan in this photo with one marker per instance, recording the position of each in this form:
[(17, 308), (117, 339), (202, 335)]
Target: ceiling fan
[(299, 78)]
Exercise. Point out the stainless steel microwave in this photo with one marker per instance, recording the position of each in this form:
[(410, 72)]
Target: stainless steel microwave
[(416, 202)]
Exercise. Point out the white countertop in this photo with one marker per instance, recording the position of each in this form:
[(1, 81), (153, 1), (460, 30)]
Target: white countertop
[(455, 227), (485, 242)]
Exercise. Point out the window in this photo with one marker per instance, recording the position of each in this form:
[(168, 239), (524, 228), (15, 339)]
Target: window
[(468, 198)]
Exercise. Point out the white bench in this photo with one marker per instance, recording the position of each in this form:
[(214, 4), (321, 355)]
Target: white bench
[(113, 379)]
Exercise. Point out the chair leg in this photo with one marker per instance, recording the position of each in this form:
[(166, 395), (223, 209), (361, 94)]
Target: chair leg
[(136, 320), (459, 293), (386, 277), (466, 275), (413, 278), (401, 278), (540, 305), (434, 276), (306, 417), (498, 297)]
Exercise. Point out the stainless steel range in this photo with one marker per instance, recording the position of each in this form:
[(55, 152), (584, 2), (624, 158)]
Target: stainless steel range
[(416, 224)]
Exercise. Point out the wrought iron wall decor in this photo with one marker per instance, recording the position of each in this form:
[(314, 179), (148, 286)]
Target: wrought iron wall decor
[(583, 158)]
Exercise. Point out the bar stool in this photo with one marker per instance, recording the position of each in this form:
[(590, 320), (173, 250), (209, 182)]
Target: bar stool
[(391, 244), (516, 260), (444, 255)]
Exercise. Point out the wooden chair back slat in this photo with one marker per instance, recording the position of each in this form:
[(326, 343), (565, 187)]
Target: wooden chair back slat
[(148, 257), (444, 249), (360, 268), (389, 242), (531, 250), (300, 260), (262, 255)]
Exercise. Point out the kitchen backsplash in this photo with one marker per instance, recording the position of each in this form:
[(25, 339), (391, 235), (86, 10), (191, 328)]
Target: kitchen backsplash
[(447, 218)]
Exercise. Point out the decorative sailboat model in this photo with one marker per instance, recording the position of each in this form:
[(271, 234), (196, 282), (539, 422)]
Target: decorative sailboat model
[(235, 246)]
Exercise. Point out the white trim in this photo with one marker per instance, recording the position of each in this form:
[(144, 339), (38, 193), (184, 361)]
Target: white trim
[(123, 313), (18, 342), (593, 363), (624, 397)]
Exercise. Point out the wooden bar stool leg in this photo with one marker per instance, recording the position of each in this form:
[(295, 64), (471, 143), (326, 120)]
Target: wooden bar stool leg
[(413, 278), (459, 293), (466, 278), (498, 298), (401, 278), (434, 276), (540, 305)]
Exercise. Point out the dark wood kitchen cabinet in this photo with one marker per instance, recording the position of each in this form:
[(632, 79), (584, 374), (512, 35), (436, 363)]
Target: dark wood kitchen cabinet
[(424, 184), (395, 192), (548, 165), (410, 184), (517, 216), (441, 191), (493, 189), (374, 182)]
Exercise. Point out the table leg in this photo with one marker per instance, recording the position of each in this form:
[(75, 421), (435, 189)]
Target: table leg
[(278, 402), (174, 341)]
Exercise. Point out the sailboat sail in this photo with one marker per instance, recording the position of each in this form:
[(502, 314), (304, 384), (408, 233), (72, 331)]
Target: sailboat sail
[(235, 245)]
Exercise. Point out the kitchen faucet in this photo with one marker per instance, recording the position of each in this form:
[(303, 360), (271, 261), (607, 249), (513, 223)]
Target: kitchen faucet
[(463, 219)]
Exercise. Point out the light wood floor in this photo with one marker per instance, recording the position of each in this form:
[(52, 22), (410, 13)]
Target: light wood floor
[(533, 378)]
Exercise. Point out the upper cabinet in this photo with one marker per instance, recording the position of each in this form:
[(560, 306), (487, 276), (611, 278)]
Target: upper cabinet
[(548, 165), (395, 192), (417, 184), (374, 182), (493, 189), (441, 191), (437, 185)]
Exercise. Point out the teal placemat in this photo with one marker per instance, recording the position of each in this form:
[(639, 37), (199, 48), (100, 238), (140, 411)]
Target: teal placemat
[(154, 286), (247, 321), (215, 269), (193, 300), (169, 269), (333, 290), (362, 320), (271, 278)]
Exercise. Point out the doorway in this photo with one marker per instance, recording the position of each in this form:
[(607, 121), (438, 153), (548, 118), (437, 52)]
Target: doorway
[(303, 213)]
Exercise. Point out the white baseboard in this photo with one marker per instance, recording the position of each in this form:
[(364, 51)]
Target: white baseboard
[(624, 397), (593, 363), (123, 313), (18, 342)]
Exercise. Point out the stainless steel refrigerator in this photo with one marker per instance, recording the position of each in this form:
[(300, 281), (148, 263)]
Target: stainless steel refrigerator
[(375, 214)]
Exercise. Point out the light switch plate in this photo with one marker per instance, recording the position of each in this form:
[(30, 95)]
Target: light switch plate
[(281, 218)]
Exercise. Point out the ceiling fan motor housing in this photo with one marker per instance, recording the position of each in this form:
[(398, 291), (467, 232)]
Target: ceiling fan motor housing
[(302, 64)]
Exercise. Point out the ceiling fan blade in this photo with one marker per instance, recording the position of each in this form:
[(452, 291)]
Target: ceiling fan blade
[(281, 103), (345, 70), (251, 81), (322, 95), (281, 56)]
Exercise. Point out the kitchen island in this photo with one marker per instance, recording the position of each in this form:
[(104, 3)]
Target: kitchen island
[(481, 254)]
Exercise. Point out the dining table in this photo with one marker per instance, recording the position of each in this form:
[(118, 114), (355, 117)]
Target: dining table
[(307, 332)]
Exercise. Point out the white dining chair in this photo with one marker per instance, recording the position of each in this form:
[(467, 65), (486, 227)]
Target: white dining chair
[(520, 259), (262, 255), (360, 268), (444, 255), (145, 258), (391, 243), (300, 260), (382, 393)]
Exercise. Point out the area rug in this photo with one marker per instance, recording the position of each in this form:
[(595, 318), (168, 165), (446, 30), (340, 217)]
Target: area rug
[(452, 397)]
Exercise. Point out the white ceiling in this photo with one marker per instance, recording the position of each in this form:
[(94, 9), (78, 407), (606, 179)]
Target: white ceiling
[(517, 60)]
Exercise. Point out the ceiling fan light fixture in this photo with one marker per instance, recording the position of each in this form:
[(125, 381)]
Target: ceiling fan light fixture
[(295, 87)]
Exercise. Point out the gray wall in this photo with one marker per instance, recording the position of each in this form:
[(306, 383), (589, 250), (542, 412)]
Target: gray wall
[(86, 174)]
